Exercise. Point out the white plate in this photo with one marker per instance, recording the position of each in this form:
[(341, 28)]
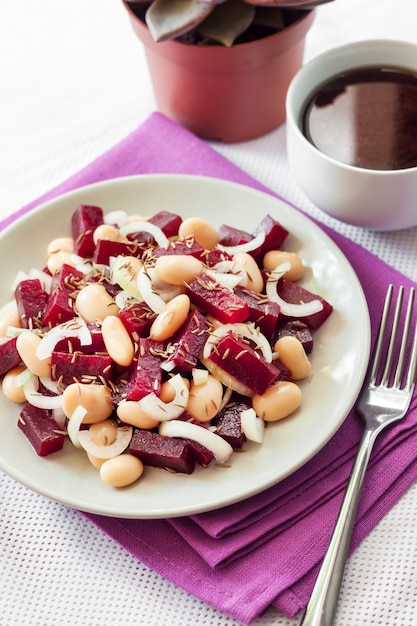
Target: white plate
[(339, 357)]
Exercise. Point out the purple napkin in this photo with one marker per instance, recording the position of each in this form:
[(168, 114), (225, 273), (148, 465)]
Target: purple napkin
[(268, 548)]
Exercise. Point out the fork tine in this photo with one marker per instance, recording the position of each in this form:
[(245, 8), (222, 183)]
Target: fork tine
[(393, 337), (404, 345), (412, 370), (377, 351)]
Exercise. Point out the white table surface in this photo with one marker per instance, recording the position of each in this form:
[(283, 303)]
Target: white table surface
[(73, 82)]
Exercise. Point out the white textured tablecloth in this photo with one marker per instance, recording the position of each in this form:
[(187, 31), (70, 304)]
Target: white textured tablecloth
[(73, 82)]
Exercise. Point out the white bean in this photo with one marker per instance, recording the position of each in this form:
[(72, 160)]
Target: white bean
[(205, 399), (278, 401), (130, 412), (171, 318), (255, 279), (26, 345), (93, 303), (178, 269), (9, 317), (117, 340), (11, 392), (61, 244), (58, 259), (106, 231), (202, 231), (122, 470), (273, 258), (292, 354), (103, 433), (96, 399)]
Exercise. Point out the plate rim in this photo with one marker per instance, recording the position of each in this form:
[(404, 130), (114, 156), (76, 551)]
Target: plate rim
[(65, 197)]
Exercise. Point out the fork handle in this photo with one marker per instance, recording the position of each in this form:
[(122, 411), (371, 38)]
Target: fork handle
[(321, 609)]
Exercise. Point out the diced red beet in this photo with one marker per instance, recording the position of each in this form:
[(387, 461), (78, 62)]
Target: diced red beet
[(228, 422), (158, 451), (137, 319), (188, 342), (84, 221), (262, 311), (78, 367), (275, 235), (239, 360), (230, 236), (145, 374), (73, 344), (112, 288), (297, 329), (203, 455), (59, 307), (283, 371), (211, 257), (214, 299), (31, 302), (180, 246), (41, 430), (105, 249), (295, 294), (168, 222), (68, 278), (9, 356)]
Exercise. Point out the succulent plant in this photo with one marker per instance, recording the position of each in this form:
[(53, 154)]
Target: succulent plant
[(217, 21)]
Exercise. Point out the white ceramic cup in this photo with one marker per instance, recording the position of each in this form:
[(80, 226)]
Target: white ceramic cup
[(375, 199)]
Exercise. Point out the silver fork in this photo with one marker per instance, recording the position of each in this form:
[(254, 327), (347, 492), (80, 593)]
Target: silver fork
[(384, 399)]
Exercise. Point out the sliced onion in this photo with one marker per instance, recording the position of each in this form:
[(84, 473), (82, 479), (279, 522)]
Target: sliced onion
[(226, 280), (32, 395), (60, 417), (252, 425), (124, 271), (165, 290), (45, 279), (122, 299), (119, 445), (152, 299), (50, 385), (147, 227), (161, 411), (44, 402), (220, 448), (200, 376), (14, 331), (243, 330), (226, 398), (288, 309), (229, 274), (74, 424), (75, 328), (82, 265), (115, 217), (167, 365), (253, 244), (22, 378)]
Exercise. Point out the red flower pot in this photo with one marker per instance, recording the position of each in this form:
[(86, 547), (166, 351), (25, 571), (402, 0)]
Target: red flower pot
[(226, 94)]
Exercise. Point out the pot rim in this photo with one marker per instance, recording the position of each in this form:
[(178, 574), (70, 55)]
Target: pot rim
[(272, 45)]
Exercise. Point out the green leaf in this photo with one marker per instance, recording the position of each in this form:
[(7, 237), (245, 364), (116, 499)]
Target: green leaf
[(227, 22), (167, 19)]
